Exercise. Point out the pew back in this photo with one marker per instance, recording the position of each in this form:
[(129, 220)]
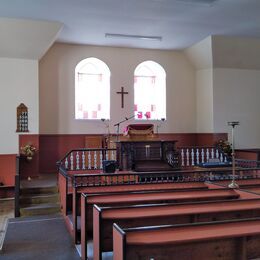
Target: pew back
[(162, 214), (144, 187), (215, 240), (152, 197)]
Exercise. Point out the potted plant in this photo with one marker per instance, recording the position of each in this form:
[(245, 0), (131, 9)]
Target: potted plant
[(28, 151), (225, 147)]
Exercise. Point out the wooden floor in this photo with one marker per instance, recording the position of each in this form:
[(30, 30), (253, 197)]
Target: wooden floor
[(6, 212)]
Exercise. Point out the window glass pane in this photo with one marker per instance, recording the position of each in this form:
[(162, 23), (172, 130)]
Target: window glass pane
[(92, 89), (150, 91)]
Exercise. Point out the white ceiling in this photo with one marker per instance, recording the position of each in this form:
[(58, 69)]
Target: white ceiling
[(180, 23)]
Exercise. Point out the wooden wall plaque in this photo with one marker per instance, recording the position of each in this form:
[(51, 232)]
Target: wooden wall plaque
[(22, 118)]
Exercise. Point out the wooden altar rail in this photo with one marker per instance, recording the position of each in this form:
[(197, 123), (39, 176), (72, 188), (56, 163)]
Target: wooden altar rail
[(233, 239), (92, 159), (197, 175), (249, 164), (86, 159), (194, 155)]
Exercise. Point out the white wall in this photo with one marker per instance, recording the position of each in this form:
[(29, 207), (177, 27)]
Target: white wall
[(227, 86), (18, 84), (236, 98), (236, 52), (56, 74), (204, 101), (200, 56)]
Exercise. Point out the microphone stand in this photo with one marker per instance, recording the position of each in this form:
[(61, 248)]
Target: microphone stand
[(118, 124)]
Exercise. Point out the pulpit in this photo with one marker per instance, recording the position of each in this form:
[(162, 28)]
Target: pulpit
[(139, 130), (140, 150)]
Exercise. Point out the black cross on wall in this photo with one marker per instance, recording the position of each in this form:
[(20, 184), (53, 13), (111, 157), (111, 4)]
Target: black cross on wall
[(122, 92)]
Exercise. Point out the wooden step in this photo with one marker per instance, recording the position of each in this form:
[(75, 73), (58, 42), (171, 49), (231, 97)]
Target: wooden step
[(40, 209), (39, 190), (29, 199)]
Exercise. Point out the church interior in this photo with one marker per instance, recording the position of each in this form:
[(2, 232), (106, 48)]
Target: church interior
[(130, 129)]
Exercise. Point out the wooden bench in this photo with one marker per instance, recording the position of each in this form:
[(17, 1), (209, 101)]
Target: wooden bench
[(77, 191), (253, 188), (245, 183), (238, 240), (161, 214), (70, 184), (87, 202)]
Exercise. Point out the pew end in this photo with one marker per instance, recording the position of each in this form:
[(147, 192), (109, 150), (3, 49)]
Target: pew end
[(119, 241)]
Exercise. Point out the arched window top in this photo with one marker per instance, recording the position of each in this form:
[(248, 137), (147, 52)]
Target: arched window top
[(150, 91), (92, 66), (92, 89), (150, 68)]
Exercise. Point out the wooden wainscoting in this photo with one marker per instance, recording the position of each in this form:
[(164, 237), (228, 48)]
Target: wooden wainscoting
[(52, 147)]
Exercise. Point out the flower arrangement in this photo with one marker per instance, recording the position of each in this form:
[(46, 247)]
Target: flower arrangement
[(225, 146), (28, 150)]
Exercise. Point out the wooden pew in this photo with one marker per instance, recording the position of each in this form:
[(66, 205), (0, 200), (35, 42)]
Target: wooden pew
[(87, 202), (162, 214), (72, 185), (238, 240), (252, 185), (243, 184), (254, 189), (77, 191)]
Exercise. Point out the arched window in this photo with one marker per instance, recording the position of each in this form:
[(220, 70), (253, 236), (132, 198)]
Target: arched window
[(150, 91), (92, 89)]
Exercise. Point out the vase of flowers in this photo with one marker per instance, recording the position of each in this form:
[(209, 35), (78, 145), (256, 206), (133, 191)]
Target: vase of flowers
[(225, 147), (28, 151)]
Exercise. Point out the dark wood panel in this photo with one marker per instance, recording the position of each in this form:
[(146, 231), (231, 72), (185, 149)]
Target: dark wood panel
[(52, 147), (7, 169), (248, 154)]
